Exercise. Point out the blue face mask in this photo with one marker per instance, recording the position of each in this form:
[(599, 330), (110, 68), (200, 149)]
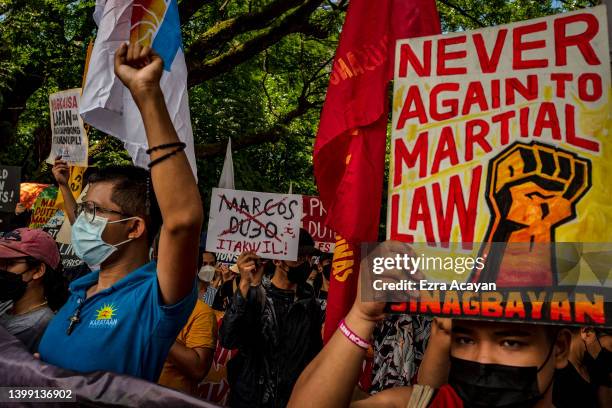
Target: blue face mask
[(87, 239)]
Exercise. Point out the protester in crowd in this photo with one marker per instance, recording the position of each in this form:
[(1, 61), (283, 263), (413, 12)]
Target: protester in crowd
[(491, 364), (132, 309), (585, 381), (192, 353), (207, 275), (324, 267), (31, 279), (275, 326), (314, 279), (229, 285), (61, 173)]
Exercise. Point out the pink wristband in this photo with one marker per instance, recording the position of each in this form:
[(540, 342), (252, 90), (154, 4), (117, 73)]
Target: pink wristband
[(352, 336)]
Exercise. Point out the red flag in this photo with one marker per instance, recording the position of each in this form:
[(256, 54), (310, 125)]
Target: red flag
[(349, 152)]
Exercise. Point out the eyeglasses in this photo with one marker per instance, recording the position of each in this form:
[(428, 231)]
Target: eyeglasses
[(90, 209)]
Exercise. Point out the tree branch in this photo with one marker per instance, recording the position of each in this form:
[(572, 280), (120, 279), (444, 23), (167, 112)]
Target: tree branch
[(187, 8), (462, 12), (224, 31), (296, 21), (272, 134)]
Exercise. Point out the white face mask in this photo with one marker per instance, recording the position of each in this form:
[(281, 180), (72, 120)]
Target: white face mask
[(87, 239), (206, 273)]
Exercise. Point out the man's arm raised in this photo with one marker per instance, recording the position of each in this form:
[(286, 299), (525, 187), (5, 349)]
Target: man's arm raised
[(61, 173), (140, 69)]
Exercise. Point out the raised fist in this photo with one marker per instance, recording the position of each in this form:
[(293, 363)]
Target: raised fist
[(531, 190), (139, 68)]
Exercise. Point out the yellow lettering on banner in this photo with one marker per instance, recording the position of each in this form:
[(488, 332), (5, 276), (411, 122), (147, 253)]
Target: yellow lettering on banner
[(343, 262)]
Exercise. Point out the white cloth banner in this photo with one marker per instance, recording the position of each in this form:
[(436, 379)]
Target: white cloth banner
[(106, 103)]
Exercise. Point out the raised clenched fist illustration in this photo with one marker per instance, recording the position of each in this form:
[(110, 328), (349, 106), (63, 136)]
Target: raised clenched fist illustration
[(532, 189)]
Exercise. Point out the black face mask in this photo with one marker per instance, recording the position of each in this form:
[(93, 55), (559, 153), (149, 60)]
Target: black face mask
[(299, 274), (12, 287), (599, 368), (495, 385)]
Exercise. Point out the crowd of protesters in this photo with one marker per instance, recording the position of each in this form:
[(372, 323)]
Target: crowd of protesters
[(147, 301)]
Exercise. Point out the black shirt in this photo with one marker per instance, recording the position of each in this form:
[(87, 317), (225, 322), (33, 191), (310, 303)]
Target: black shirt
[(571, 390)]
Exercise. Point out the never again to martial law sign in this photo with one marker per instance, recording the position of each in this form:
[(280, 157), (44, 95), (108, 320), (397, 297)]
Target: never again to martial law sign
[(266, 223), (501, 135), (9, 187), (69, 138)]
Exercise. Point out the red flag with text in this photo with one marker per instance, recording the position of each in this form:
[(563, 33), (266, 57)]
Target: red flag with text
[(349, 152)]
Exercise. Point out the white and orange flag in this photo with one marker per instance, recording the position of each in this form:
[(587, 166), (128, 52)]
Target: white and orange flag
[(106, 104)]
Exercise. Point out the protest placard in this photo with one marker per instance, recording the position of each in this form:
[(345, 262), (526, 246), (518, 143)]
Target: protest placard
[(10, 177), (69, 138), (266, 223), (313, 221), (499, 135), (44, 207), (29, 192)]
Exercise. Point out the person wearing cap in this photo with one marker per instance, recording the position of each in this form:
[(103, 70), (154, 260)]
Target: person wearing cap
[(125, 315), (31, 284), (275, 325)]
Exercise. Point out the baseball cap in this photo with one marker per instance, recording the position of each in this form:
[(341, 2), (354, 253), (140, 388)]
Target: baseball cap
[(30, 242)]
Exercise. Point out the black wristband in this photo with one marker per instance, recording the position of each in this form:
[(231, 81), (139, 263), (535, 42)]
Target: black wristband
[(166, 146), (164, 157)]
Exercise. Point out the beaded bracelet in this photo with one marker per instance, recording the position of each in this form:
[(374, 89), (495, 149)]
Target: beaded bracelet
[(164, 157), (166, 146)]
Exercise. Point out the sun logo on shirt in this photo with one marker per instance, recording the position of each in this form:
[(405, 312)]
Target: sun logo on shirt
[(106, 312)]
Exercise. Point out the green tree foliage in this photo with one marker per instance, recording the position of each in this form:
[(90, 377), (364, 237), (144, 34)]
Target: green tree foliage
[(258, 72)]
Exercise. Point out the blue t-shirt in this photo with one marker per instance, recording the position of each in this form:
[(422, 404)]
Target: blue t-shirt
[(125, 329)]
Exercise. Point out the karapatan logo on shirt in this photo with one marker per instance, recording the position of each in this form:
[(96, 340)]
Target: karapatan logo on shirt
[(105, 316)]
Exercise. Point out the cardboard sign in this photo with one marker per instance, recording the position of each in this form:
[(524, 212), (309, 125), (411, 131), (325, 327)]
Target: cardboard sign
[(500, 135), (69, 138), (29, 192), (265, 223), (313, 221), (10, 177), (44, 208), (227, 259)]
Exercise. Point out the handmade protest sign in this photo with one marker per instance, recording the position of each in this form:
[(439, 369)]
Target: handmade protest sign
[(313, 221), (10, 177), (29, 192), (266, 223), (69, 138), (499, 135), (45, 208)]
